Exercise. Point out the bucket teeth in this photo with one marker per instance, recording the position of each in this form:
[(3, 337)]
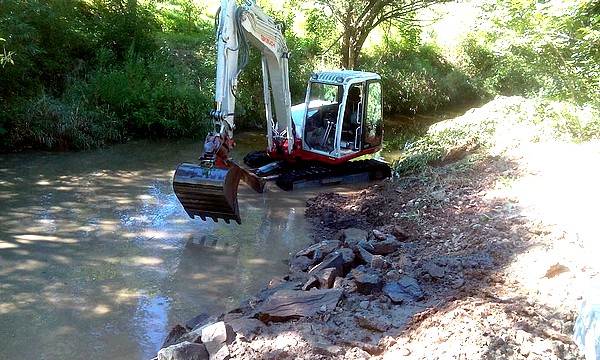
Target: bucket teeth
[(208, 192)]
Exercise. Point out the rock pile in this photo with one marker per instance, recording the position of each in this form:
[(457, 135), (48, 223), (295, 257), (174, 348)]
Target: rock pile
[(355, 277)]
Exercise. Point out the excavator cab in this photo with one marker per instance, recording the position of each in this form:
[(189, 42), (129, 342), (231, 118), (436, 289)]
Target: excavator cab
[(343, 115)]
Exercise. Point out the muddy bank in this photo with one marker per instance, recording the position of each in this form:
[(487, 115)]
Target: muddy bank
[(459, 261)]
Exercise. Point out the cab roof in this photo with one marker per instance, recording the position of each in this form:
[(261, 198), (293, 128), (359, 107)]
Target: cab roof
[(343, 77)]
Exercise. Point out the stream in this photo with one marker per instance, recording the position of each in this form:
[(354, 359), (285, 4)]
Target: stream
[(98, 258)]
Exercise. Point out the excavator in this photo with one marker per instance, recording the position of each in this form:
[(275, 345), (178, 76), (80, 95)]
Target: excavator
[(310, 144)]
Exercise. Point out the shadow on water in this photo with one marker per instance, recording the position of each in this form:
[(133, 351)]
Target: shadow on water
[(98, 257)]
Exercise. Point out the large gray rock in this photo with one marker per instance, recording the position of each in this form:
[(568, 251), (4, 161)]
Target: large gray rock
[(199, 320), (333, 260), (318, 251), (379, 324), (367, 281), (184, 351), (247, 328), (434, 270), (216, 337), (353, 236), (348, 258), (379, 235), (287, 305), (364, 255), (300, 263), (384, 247), (326, 277), (175, 334), (378, 262), (406, 289), (342, 260)]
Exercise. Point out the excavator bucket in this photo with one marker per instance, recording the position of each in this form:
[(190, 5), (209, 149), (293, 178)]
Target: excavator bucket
[(208, 191)]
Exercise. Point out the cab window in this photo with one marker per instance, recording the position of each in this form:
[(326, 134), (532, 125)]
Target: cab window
[(373, 127)]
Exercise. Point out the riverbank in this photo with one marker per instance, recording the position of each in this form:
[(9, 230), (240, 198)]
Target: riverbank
[(484, 256)]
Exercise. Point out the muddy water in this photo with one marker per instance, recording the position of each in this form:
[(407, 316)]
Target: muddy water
[(98, 259)]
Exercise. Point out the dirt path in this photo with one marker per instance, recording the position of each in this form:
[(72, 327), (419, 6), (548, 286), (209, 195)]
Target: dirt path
[(533, 211)]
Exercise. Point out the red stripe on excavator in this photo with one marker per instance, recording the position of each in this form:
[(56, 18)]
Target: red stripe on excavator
[(305, 155)]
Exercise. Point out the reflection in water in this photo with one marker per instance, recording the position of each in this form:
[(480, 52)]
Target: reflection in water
[(98, 257), (151, 315)]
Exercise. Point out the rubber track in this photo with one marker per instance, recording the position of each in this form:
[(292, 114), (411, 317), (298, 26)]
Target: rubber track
[(375, 169)]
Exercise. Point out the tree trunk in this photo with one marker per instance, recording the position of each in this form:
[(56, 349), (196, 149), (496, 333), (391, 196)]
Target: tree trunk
[(351, 47), (345, 51)]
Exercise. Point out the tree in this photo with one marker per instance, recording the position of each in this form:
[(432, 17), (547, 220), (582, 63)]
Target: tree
[(546, 47), (358, 18)]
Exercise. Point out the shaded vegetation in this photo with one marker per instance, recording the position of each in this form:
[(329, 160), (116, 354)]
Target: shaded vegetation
[(87, 73)]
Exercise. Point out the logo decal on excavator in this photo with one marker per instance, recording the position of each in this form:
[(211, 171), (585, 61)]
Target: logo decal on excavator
[(267, 40)]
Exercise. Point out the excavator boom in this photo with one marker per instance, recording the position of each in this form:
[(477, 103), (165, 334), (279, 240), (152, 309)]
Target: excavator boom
[(209, 189)]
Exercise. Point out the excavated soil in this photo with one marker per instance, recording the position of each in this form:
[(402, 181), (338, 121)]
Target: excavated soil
[(501, 248)]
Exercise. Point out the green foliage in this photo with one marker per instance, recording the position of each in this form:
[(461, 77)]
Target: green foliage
[(500, 125), (356, 20), (92, 72), (180, 16), (418, 79), (44, 38), (122, 26), (322, 37), (419, 154), (88, 74), (152, 97), (47, 122), (506, 74), (549, 48), (52, 39)]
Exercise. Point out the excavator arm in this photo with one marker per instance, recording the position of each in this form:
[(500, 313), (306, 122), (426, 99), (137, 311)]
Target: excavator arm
[(209, 188)]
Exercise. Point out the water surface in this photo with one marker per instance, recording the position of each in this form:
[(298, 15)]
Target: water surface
[(98, 258)]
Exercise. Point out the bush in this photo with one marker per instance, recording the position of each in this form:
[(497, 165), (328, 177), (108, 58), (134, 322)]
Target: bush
[(153, 97), (418, 80), (535, 48), (180, 16), (50, 123), (52, 40)]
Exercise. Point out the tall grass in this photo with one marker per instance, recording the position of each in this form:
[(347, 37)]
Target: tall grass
[(48, 122)]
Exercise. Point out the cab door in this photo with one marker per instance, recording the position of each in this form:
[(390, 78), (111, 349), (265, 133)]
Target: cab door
[(373, 121)]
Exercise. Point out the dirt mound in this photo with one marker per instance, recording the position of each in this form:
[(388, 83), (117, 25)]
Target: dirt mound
[(460, 261), (333, 211)]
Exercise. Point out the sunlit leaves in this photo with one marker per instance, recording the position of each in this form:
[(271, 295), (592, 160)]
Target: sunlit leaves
[(6, 57), (357, 19), (553, 45)]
